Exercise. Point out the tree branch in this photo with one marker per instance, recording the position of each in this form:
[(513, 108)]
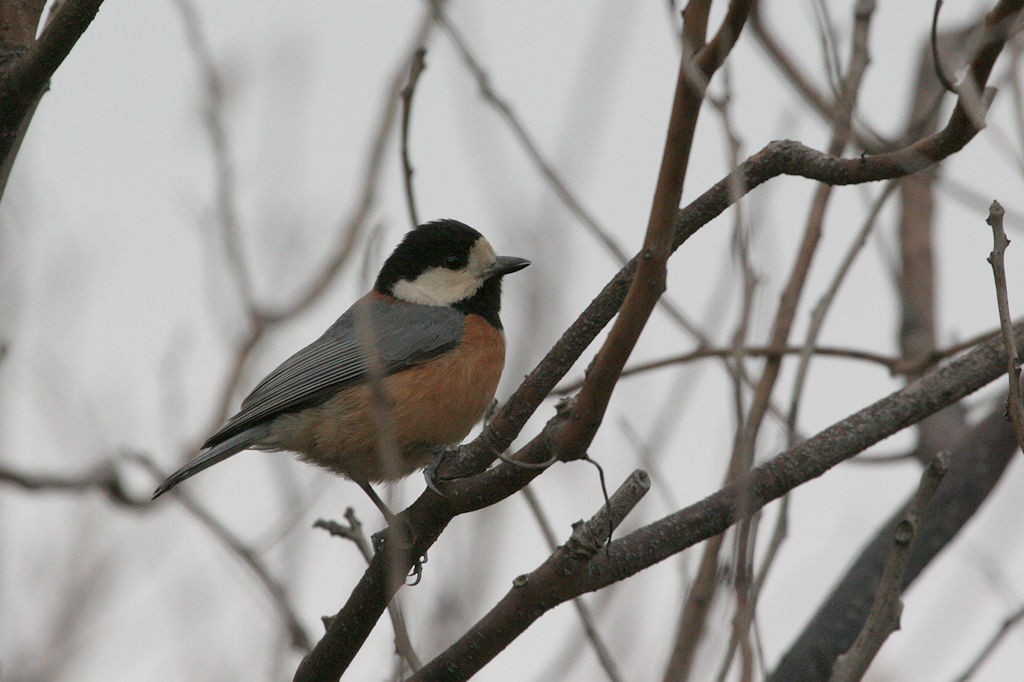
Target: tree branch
[(24, 78), (711, 516), (884, 617), (416, 69), (1014, 408), (430, 514), (979, 458), (531, 592)]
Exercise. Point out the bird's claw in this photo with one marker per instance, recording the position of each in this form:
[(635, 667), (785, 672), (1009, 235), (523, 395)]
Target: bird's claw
[(430, 471), (379, 541)]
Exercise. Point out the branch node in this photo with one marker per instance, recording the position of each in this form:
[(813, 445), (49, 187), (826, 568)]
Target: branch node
[(1015, 398), (588, 537)]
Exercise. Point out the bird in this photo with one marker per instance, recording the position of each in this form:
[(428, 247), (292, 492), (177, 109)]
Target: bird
[(403, 374)]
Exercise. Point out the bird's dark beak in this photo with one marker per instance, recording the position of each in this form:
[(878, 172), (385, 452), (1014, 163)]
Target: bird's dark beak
[(505, 265)]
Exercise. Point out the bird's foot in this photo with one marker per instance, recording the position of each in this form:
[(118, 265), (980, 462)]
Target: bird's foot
[(399, 537), (430, 471)]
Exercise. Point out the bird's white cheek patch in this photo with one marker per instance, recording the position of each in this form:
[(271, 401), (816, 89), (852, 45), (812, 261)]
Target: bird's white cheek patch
[(481, 258), (441, 286), (438, 286)]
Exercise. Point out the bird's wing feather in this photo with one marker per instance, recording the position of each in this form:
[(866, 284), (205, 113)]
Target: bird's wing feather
[(404, 335)]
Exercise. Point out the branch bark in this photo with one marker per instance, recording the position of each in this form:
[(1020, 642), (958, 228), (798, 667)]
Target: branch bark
[(430, 514), (531, 593), (979, 458), (714, 514), (26, 68), (1014, 409), (884, 617)]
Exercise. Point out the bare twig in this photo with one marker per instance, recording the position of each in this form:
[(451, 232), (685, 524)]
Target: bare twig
[(354, 532), (103, 477), (821, 308), (482, 641), (215, 125), (1008, 624), (887, 458), (523, 137), (884, 616), (415, 70), (745, 443), (1014, 406), (275, 589), (940, 72), (351, 228), (829, 47), (601, 650), (894, 364)]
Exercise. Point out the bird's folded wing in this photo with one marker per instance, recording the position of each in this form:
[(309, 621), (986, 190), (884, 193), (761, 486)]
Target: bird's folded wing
[(402, 335)]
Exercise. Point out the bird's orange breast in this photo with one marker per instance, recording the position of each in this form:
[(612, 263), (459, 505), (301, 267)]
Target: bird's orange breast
[(435, 403)]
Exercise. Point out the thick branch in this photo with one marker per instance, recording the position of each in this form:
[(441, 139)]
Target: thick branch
[(800, 464), (549, 586), (649, 282), (979, 457), (429, 515), (18, 23), (884, 617), (24, 78), (531, 593)]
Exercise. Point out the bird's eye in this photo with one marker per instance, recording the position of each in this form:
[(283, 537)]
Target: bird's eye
[(454, 262)]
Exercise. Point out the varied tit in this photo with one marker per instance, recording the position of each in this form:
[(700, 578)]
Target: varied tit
[(406, 371)]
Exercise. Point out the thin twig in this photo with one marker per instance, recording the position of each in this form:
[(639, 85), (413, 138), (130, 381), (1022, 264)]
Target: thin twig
[(884, 616), (415, 69), (829, 47), (351, 228), (103, 477), (354, 532), (225, 183), (523, 136), (466, 656), (601, 650), (275, 589), (889, 458), (1015, 400), (695, 609), (1008, 624), (821, 308), (940, 72), (894, 364)]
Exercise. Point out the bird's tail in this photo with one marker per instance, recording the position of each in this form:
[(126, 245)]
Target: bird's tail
[(210, 456)]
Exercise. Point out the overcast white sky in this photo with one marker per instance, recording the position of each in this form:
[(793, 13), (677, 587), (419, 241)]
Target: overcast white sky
[(119, 315)]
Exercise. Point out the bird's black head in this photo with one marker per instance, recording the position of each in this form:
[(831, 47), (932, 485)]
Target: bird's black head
[(448, 263)]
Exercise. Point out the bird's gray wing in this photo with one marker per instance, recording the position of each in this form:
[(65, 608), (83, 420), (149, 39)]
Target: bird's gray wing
[(404, 334)]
